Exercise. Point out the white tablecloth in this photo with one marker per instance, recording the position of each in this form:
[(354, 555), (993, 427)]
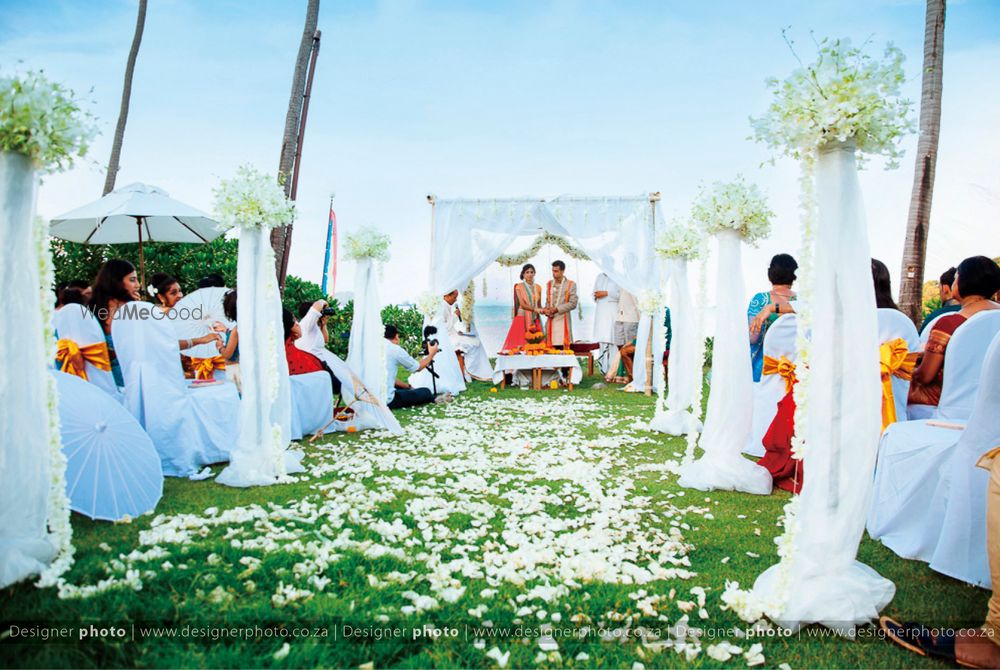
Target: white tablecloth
[(545, 362)]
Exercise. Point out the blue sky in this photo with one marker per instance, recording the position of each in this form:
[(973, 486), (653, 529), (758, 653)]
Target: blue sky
[(500, 99)]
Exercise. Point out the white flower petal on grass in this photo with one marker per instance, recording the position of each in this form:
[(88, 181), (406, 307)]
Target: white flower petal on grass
[(501, 658), (755, 655), (282, 652)]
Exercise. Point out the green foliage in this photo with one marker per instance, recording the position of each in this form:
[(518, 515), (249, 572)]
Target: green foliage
[(410, 324), (931, 304)]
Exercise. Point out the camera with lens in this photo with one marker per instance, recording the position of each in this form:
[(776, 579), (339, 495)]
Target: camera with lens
[(429, 340), (328, 311)]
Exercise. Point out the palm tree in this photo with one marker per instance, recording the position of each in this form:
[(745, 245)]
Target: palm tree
[(116, 146), (281, 237), (918, 221)]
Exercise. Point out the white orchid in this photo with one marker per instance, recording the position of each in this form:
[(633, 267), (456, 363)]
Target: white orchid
[(252, 200), (367, 243), (734, 205)]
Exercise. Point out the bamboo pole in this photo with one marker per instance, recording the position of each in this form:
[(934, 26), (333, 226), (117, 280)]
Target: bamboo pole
[(648, 390), (432, 199)]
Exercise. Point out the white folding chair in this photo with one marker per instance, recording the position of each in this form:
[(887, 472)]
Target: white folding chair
[(892, 325), (963, 364), (190, 425), (779, 341), (312, 403), (76, 323)]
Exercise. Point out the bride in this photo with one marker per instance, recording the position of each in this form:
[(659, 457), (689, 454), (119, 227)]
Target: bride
[(527, 307)]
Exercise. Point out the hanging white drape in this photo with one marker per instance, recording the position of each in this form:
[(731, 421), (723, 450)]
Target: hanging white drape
[(825, 583), (25, 548), (449, 372), (261, 455), (730, 401), (366, 348), (683, 372)]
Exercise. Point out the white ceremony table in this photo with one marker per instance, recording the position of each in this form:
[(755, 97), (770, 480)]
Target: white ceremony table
[(536, 364)]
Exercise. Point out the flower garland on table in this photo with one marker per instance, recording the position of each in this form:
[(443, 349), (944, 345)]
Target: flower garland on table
[(845, 95), (733, 205), (44, 121), (367, 244), (510, 260)]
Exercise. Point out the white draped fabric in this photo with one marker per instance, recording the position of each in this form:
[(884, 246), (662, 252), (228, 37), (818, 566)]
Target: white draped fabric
[(730, 402), (261, 455), (684, 372), (779, 341), (366, 348), (822, 581), (77, 323), (450, 379), (25, 548)]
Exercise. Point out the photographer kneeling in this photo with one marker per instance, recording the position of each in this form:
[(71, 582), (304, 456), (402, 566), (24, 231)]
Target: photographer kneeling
[(400, 394)]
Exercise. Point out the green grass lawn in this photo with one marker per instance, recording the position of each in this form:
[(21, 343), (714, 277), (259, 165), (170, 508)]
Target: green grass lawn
[(506, 513)]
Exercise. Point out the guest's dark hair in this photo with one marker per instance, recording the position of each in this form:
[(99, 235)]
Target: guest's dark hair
[(229, 305), (287, 321), (978, 275), (108, 284), (304, 308), (947, 277), (72, 283), (525, 268), (782, 269), (73, 295), (883, 285), (162, 282), (391, 331), (214, 279), (559, 264)]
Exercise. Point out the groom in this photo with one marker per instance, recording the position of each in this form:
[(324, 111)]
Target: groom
[(561, 300)]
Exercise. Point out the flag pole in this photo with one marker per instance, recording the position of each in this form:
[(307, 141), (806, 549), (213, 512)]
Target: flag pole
[(331, 237)]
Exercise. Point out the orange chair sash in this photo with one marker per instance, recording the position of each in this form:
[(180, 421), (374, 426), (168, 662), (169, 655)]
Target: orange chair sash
[(780, 366), (204, 368), (895, 360), (73, 358)]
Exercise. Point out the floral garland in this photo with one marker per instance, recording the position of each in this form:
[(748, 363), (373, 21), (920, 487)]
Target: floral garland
[(681, 241), (44, 121), (468, 302), (58, 506), (367, 244), (252, 200), (540, 241), (733, 205), (844, 94)]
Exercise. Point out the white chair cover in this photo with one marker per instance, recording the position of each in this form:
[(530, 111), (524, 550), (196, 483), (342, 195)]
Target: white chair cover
[(930, 498), (312, 403), (189, 427), (779, 341), (77, 323), (963, 364), (893, 324)]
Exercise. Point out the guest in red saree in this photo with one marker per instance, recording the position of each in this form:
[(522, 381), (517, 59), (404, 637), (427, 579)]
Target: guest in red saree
[(527, 308), (785, 469)]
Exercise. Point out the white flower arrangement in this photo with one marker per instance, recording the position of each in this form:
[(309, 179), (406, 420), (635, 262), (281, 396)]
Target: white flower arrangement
[(649, 301), (367, 244), (43, 121), (429, 305), (682, 241), (734, 205), (845, 94), (252, 200)]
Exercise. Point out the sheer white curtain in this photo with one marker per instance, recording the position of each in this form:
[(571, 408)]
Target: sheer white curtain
[(261, 455), (366, 348), (683, 372), (730, 402), (24, 458), (824, 581)]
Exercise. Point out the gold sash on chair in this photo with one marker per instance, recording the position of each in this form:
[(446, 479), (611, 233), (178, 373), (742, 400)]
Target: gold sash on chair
[(780, 366), (73, 358), (204, 368), (896, 361)]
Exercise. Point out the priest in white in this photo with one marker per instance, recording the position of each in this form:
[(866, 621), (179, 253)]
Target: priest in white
[(472, 358), (606, 294)]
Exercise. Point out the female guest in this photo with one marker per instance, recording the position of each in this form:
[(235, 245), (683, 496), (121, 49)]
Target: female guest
[(527, 307), (766, 306), (116, 284), (230, 349), (976, 280), (167, 292), (883, 285)]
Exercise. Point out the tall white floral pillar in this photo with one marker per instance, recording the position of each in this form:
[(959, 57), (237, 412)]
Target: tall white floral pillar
[(733, 212), (366, 348), (254, 203)]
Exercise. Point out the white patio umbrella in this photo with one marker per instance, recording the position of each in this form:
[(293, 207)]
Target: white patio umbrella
[(135, 213)]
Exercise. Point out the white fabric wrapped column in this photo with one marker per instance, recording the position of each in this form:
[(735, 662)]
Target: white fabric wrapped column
[(25, 548), (822, 581), (261, 455), (366, 348), (683, 371), (730, 401)]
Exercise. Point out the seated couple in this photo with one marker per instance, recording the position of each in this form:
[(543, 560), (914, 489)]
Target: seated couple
[(400, 394)]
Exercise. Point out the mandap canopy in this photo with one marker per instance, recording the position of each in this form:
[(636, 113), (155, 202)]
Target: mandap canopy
[(616, 233)]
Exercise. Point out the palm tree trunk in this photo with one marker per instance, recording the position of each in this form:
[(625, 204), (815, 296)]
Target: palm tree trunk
[(280, 237), (918, 221), (116, 146)]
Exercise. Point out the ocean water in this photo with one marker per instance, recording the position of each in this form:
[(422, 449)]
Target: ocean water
[(493, 320)]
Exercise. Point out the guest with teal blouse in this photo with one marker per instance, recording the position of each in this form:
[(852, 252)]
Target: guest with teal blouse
[(766, 306), (115, 285)]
